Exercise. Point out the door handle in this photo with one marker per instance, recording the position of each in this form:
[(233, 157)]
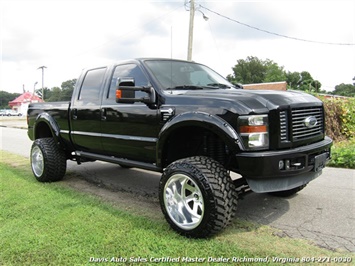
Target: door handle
[(103, 114), (75, 114)]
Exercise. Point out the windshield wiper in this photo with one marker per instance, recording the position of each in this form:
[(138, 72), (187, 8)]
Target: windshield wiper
[(186, 87), (219, 85)]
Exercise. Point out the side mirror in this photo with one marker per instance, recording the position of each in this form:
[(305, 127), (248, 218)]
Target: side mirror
[(125, 95), (126, 92)]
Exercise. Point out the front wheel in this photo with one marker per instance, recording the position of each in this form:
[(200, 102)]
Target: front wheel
[(197, 196), (48, 162)]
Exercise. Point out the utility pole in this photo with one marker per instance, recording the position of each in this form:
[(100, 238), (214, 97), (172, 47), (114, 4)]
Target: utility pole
[(191, 30), (42, 67), (193, 8)]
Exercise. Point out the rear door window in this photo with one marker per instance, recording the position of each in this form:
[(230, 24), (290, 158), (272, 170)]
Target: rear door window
[(90, 89)]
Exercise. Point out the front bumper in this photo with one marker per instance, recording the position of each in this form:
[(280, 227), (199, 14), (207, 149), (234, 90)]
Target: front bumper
[(262, 170)]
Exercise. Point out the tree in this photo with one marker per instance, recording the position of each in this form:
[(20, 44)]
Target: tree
[(274, 72), (316, 86), (303, 81), (67, 89), (251, 70), (55, 95), (255, 70), (64, 93), (344, 90), (6, 97), (307, 83), (293, 79), (47, 93)]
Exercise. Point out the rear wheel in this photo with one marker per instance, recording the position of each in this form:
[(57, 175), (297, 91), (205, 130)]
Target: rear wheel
[(197, 196), (48, 162)]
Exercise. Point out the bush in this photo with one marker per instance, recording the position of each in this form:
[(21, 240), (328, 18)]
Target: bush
[(343, 154), (339, 118), (348, 118), (340, 126)]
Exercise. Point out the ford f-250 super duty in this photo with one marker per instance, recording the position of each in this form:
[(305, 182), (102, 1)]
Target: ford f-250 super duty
[(188, 122)]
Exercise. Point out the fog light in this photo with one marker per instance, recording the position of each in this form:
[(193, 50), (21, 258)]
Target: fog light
[(281, 164), (287, 164)]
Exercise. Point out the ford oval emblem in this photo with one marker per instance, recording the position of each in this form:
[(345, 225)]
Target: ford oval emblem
[(310, 122)]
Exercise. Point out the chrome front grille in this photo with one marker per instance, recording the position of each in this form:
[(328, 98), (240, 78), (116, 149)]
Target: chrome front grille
[(304, 123), (307, 122)]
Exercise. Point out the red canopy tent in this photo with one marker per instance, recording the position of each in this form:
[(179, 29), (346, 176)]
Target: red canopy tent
[(20, 104)]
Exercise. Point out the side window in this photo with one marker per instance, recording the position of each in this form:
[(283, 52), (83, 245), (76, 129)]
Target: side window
[(128, 70), (90, 89)]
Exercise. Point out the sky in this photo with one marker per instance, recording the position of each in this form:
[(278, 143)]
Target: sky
[(67, 36)]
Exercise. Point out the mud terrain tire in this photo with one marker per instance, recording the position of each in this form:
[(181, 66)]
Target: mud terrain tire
[(48, 161), (197, 196)]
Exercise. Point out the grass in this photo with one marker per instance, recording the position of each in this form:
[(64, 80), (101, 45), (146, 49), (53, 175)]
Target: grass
[(52, 224)]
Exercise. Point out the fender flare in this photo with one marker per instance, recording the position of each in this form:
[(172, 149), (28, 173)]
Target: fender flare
[(50, 122), (210, 122)]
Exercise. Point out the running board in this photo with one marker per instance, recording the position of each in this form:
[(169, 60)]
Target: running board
[(111, 159)]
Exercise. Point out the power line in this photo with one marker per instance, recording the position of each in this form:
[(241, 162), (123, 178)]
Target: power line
[(274, 33)]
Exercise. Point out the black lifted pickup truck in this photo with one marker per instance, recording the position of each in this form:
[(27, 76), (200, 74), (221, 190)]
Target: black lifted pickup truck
[(188, 122)]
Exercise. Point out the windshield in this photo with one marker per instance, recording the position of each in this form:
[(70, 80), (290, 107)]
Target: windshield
[(186, 75)]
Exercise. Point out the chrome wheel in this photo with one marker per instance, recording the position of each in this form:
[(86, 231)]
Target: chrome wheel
[(48, 160), (197, 196), (37, 161), (183, 201)]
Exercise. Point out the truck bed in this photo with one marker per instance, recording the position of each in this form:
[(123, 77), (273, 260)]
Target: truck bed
[(50, 112)]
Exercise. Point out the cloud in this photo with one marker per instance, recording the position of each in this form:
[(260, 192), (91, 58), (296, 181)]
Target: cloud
[(17, 45), (67, 36), (256, 14)]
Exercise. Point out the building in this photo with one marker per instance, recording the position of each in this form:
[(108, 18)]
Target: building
[(275, 86), (20, 104)]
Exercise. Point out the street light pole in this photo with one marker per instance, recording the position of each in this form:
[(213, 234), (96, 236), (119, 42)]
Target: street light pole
[(191, 30), (42, 67)]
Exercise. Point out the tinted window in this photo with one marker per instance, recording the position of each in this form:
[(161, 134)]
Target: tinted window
[(131, 71), (90, 90)]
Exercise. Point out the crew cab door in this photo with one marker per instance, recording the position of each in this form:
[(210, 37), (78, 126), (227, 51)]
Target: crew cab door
[(129, 130), (85, 114)]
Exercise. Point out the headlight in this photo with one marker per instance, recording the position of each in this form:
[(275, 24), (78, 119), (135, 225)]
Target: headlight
[(254, 130)]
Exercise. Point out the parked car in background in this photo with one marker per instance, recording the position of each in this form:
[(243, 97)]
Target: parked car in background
[(9, 112)]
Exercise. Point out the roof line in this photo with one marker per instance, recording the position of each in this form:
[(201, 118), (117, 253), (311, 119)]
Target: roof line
[(266, 83)]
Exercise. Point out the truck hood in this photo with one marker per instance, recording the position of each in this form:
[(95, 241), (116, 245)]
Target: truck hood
[(258, 101)]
